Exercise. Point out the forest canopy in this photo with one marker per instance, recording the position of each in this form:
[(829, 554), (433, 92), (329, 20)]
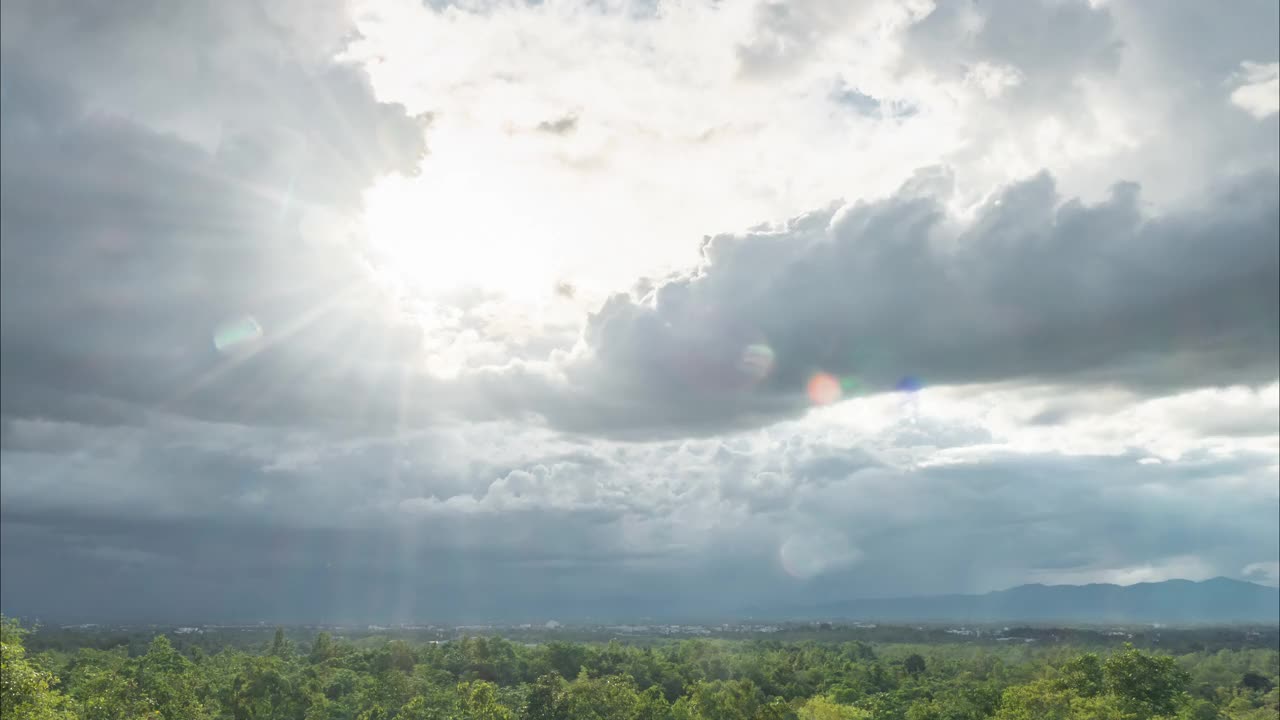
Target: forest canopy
[(492, 678)]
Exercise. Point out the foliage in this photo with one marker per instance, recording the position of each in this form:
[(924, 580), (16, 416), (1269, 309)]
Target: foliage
[(26, 691), (286, 675)]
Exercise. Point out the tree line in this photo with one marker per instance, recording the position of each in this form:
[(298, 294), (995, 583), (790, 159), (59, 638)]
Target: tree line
[(491, 678)]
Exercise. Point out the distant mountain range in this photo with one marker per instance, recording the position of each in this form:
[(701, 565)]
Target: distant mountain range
[(1220, 600)]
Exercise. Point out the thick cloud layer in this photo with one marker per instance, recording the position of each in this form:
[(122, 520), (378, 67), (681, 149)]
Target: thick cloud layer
[(1028, 286), (245, 524), (1033, 288), (1049, 355), (127, 244)]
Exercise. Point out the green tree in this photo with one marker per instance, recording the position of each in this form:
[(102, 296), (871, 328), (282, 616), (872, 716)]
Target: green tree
[(720, 700), (1041, 700), (914, 664), (606, 698), (1199, 710), (545, 699), (1152, 685), (263, 690), (322, 649), (1083, 675), (165, 677), (438, 703), (653, 705), (26, 691), (480, 702), (1256, 682), (280, 647), (821, 708), (105, 687)]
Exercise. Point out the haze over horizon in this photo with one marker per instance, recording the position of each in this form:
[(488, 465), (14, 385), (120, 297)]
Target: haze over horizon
[(1216, 601), (397, 309)]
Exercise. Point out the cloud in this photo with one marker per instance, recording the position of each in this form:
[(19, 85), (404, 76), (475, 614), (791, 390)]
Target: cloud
[(1259, 90), (267, 357), (230, 522), (1186, 567), (154, 235), (1048, 43), (1267, 573), (873, 291), (783, 36), (250, 226), (1032, 288), (560, 126)]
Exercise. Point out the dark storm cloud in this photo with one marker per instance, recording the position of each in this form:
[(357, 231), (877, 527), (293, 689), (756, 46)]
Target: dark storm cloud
[(218, 532), (1034, 288)]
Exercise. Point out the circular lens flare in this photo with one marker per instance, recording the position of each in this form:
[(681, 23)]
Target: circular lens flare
[(757, 361), (823, 389), (909, 384), (236, 333)]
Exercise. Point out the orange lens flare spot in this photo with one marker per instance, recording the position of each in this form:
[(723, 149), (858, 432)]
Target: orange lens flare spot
[(823, 389)]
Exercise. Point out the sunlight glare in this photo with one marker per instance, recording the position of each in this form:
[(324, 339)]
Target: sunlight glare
[(471, 223)]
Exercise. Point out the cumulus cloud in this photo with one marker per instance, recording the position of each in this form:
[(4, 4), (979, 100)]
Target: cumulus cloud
[(1051, 44), (1259, 89), (425, 525), (1033, 287), (1047, 310)]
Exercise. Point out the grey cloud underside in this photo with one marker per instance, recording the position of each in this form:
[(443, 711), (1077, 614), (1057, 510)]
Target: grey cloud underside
[(1049, 43), (1034, 288), (214, 534), (564, 125)]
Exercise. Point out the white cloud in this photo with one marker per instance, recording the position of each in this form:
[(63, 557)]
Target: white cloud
[(1259, 89), (1267, 573), (671, 142), (993, 80), (1184, 567)]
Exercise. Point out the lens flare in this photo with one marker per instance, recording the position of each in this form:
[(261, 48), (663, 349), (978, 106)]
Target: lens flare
[(757, 361), (806, 555), (909, 386), (823, 389), (235, 333)]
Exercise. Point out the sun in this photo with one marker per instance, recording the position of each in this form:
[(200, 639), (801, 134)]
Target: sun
[(473, 220), (439, 243)]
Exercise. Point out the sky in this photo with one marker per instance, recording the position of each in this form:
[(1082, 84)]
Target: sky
[(404, 311)]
